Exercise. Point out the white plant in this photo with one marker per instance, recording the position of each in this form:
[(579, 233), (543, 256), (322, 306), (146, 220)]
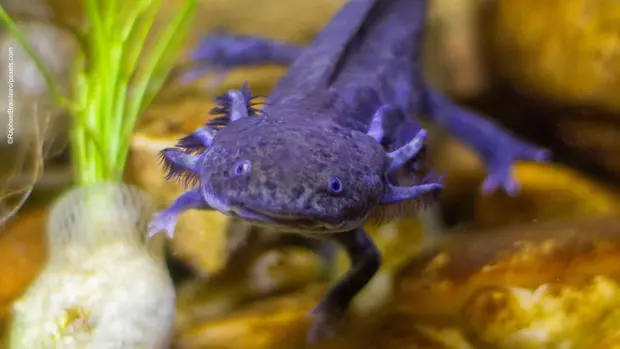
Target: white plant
[(104, 285)]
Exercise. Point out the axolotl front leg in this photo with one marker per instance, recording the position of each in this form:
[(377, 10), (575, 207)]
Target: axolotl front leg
[(167, 219), (496, 146), (364, 256), (180, 164)]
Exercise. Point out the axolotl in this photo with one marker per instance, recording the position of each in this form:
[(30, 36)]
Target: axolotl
[(315, 160)]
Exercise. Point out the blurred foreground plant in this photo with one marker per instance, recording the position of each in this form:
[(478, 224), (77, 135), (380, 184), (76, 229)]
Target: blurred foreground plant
[(104, 284)]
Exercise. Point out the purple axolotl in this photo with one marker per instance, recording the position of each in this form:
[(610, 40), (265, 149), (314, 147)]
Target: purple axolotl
[(315, 160)]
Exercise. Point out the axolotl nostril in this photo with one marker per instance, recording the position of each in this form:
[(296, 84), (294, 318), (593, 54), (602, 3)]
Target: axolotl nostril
[(314, 160)]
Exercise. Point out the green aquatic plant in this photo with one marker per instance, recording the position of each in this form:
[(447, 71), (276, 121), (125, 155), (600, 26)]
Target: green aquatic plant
[(104, 285), (117, 76)]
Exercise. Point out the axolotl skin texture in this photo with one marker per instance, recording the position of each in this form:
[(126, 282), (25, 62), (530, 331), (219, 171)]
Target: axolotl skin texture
[(315, 160)]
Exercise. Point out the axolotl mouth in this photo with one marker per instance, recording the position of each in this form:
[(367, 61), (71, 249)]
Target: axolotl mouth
[(279, 221), (288, 222)]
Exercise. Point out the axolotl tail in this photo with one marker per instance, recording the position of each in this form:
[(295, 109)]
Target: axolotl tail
[(383, 60)]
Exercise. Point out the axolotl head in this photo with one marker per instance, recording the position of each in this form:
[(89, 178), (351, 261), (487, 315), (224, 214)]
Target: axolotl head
[(298, 178)]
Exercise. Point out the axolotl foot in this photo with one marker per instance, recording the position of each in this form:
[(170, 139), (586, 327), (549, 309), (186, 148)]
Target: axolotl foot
[(500, 169), (326, 324), (166, 220), (162, 221)]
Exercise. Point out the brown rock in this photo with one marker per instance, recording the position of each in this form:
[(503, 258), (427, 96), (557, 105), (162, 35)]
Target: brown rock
[(548, 192), (596, 141), (279, 322), (557, 280), (566, 50), (453, 49), (3, 326), (275, 270), (22, 254), (402, 331), (283, 322), (462, 167), (551, 315)]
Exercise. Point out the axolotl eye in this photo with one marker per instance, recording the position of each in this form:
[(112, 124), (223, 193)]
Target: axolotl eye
[(334, 185), (242, 168)]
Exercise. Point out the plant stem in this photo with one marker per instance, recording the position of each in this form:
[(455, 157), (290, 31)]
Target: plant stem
[(157, 69)]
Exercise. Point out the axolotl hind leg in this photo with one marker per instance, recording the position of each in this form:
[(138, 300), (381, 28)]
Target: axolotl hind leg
[(221, 52), (498, 148), (365, 261)]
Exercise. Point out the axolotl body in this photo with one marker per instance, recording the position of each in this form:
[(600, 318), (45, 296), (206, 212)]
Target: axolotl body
[(315, 160)]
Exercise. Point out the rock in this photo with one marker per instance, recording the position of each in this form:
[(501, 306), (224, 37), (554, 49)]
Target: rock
[(548, 192), (593, 140), (494, 284), (3, 326), (397, 330), (269, 272), (551, 315), (462, 167), (22, 254), (564, 50), (278, 322), (453, 55), (283, 322)]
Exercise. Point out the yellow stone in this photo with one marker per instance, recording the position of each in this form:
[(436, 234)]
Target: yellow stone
[(568, 50), (530, 286), (22, 254), (283, 322), (269, 272), (548, 192)]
